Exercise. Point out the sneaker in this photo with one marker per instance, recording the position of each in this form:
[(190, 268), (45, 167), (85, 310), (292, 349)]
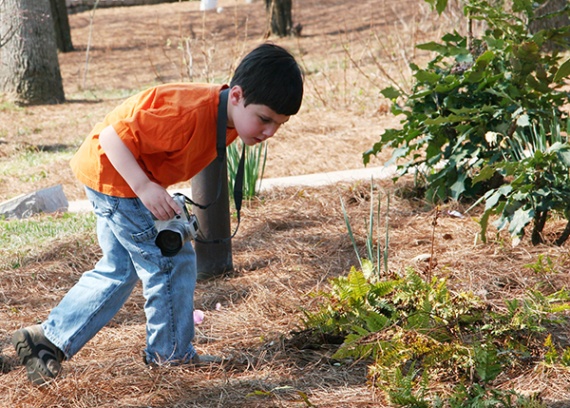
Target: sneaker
[(41, 358), (199, 360), (206, 359)]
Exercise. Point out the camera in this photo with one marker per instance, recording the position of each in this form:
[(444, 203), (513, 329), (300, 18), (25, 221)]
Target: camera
[(173, 233)]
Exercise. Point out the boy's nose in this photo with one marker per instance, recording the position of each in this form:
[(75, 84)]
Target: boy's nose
[(270, 130)]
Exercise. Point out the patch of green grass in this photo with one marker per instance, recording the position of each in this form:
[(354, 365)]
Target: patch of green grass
[(9, 106), (30, 164), (21, 239)]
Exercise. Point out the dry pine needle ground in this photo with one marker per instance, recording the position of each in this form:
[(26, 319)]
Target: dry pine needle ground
[(291, 241)]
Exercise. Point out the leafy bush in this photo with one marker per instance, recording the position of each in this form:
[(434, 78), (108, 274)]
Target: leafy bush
[(538, 173), (419, 333), (497, 84), (430, 346)]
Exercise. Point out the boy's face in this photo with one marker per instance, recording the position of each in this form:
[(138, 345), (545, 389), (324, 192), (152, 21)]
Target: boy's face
[(254, 123)]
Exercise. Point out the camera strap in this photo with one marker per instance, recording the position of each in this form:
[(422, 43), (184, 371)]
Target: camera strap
[(221, 127)]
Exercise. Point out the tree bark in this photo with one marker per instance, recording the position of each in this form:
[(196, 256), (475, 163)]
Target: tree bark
[(564, 236), (553, 14), (29, 66), (539, 223), (61, 25), (280, 17), (7, 33)]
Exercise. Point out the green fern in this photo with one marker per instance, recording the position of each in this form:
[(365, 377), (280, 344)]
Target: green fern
[(410, 322)]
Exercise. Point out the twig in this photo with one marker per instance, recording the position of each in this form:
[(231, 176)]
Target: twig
[(91, 18), (432, 249)]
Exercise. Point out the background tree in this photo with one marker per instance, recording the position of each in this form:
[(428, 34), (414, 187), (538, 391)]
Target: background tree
[(29, 67), (553, 15), (6, 34), (61, 25), (280, 17)]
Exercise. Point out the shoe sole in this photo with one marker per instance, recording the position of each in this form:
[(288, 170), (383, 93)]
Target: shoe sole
[(36, 369)]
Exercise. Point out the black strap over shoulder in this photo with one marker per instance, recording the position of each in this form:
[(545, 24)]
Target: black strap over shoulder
[(221, 129), (222, 125)]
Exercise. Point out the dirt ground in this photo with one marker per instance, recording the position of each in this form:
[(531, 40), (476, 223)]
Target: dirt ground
[(122, 50), (291, 241)]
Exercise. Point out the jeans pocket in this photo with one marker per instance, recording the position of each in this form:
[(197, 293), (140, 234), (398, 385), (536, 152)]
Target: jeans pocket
[(103, 205), (145, 236), (144, 241)]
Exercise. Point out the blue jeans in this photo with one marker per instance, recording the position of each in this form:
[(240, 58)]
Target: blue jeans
[(126, 233)]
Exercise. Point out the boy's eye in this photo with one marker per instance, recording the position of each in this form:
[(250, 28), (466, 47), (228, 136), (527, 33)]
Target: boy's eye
[(264, 120)]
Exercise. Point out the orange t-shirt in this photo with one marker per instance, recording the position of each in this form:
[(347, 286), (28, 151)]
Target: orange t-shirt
[(170, 129)]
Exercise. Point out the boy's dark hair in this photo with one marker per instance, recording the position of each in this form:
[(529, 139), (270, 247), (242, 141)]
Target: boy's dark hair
[(270, 76)]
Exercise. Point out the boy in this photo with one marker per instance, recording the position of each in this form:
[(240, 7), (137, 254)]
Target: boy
[(159, 137)]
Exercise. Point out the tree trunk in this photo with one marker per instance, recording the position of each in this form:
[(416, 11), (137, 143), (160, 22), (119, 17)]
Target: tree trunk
[(539, 223), (553, 14), (214, 258), (7, 33), (280, 17), (564, 236), (29, 66), (61, 25)]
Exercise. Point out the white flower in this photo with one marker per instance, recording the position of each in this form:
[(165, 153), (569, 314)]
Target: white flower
[(491, 138)]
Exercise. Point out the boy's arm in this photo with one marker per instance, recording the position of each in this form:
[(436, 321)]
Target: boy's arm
[(153, 196)]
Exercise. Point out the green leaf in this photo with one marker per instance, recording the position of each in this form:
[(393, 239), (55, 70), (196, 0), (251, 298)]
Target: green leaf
[(484, 223), (440, 120), (440, 6), (376, 322), (485, 174), (458, 187), (487, 364), (485, 58), (521, 218), (494, 196), (562, 151), (523, 5), (433, 46), (390, 92), (454, 37), (427, 76), (563, 71)]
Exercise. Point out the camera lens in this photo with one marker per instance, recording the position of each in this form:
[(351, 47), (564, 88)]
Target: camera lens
[(170, 242)]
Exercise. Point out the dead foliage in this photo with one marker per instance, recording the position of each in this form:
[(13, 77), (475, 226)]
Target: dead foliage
[(291, 241)]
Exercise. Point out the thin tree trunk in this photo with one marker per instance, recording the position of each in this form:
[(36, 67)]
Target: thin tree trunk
[(280, 16), (29, 66), (539, 223), (553, 14), (564, 236), (61, 25)]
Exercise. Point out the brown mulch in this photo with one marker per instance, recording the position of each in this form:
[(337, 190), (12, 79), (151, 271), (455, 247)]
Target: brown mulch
[(291, 241)]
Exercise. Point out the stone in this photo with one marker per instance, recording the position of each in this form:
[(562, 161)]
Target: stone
[(47, 200)]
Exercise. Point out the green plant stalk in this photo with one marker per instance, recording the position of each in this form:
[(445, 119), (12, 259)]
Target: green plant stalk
[(350, 233), (254, 167), (375, 255), (387, 238)]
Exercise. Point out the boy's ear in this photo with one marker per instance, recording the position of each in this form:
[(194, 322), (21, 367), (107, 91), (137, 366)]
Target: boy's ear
[(236, 94)]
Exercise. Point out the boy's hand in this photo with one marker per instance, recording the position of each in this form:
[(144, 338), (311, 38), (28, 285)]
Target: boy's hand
[(158, 201)]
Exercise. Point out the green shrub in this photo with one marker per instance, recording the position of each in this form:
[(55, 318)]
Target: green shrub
[(475, 87), (538, 175), (419, 333)]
